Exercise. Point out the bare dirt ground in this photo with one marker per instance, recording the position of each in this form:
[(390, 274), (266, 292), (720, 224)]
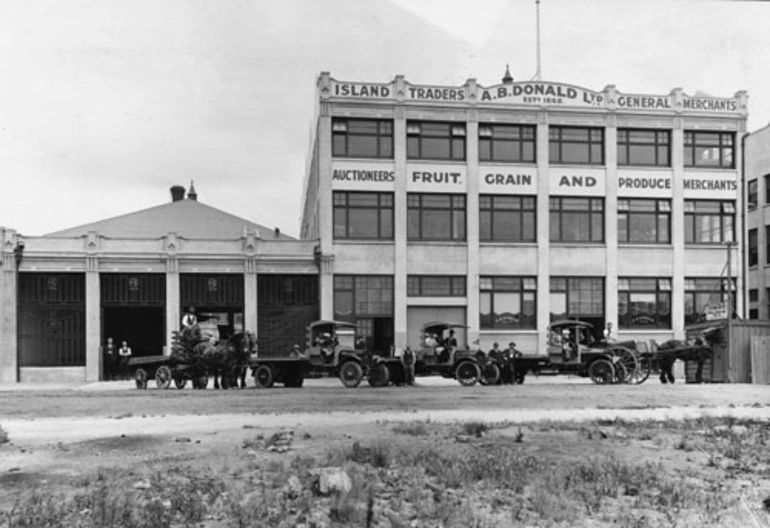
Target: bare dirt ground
[(695, 443)]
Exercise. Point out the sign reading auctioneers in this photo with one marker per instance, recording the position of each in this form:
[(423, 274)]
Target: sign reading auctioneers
[(349, 175)]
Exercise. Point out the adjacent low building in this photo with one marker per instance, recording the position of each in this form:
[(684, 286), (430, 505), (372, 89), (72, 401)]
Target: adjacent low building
[(506, 207)]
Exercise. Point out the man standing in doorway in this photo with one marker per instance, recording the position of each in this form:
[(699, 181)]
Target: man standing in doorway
[(109, 361), (124, 352), (189, 319)]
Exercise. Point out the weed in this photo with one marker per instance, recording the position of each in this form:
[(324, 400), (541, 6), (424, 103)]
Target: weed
[(3, 436), (411, 428), (474, 428), (519, 438)]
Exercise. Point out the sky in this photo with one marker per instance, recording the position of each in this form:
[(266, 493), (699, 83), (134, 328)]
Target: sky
[(104, 104)]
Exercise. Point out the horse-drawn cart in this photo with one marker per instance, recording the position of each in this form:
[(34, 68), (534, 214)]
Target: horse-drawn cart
[(164, 370)]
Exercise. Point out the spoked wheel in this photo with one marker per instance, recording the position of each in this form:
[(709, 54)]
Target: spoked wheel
[(140, 378), (628, 359), (351, 374), (601, 372), (490, 374), (621, 374), (180, 382), (163, 377), (467, 373), (263, 377), (379, 375), (644, 369)]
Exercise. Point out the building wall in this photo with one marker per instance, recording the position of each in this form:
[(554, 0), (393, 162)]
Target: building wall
[(472, 104), (758, 217)]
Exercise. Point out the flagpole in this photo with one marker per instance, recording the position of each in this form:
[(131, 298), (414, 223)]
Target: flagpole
[(538, 73)]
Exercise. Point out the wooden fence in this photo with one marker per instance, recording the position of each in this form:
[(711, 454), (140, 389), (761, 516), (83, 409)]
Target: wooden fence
[(760, 359)]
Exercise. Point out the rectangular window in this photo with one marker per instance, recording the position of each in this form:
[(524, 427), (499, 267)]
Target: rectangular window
[(427, 140), (362, 296), (435, 216), (767, 244), (644, 147), (709, 221), (435, 286), (644, 221), (507, 218), (507, 302), (703, 295), (753, 295), (362, 138), (577, 219), (753, 194), (577, 297), (363, 216), (767, 188), (709, 149), (753, 247), (507, 143), (644, 303), (583, 146)]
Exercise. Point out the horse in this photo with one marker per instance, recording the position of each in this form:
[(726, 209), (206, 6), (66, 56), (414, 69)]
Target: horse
[(672, 350), (227, 360)]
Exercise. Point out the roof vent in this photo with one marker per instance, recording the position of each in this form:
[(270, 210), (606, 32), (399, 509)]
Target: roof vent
[(277, 232), (177, 193), (507, 78), (191, 194)]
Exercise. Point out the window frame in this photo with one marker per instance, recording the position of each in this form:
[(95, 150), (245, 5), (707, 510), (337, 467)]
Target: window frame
[(452, 210), (457, 131), (662, 290), (499, 285), (456, 285), (590, 211), (752, 248), (752, 204), (625, 142), (380, 208), (691, 144), (527, 209), (662, 209), (691, 209), (574, 285), (352, 284), (384, 132), (692, 290), (560, 142), (527, 135)]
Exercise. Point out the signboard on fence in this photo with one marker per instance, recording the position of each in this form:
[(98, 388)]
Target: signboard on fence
[(716, 311)]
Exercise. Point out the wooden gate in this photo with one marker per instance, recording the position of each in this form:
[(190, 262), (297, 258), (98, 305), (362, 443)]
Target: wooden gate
[(52, 320), (760, 359)]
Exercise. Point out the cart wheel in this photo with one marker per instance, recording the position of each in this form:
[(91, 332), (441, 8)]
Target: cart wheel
[(163, 377), (180, 383), (641, 374), (379, 375), (467, 373), (351, 374), (628, 358), (201, 382), (490, 374), (601, 371), (140, 378), (263, 376), (621, 374)]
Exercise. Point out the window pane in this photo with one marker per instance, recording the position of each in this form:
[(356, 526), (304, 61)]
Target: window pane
[(528, 227), (338, 145), (642, 154), (413, 224), (435, 148), (363, 223), (340, 223), (507, 308), (386, 147), (458, 225), (436, 224), (574, 153), (386, 223), (412, 147), (528, 152), (506, 151), (507, 226), (642, 227), (485, 225)]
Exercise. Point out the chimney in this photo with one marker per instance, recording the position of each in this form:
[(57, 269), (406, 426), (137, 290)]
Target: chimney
[(177, 193), (191, 194), (277, 232), (507, 78)]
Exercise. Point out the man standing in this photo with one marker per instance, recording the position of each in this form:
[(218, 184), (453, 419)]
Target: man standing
[(189, 319), (408, 361), (109, 361), (124, 352)]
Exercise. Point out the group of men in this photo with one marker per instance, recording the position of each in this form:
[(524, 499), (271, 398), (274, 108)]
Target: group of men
[(115, 362), (504, 359)]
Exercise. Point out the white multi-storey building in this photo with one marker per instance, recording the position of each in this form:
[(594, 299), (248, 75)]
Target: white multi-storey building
[(506, 207)]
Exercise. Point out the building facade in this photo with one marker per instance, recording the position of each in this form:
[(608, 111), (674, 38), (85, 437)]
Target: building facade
[(506, 207), (132, 277), (757, 196)]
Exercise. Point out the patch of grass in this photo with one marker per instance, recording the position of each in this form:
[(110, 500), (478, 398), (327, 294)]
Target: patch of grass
[(411, 428), (474, 428), (3, 436)]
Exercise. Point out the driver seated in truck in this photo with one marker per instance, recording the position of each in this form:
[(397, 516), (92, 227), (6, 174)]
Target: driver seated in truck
[(327, 347), (567, 345)]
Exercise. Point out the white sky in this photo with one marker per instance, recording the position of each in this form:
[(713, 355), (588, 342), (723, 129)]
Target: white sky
[(104, 104)]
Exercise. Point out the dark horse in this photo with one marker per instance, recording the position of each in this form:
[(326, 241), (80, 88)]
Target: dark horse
[(672, 350), (228, 360)]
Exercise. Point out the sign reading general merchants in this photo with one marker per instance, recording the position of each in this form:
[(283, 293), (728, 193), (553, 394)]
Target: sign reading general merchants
[(644, 183), (363, 176), (575, 181), (507, 179), (715, 185), (438, 178)]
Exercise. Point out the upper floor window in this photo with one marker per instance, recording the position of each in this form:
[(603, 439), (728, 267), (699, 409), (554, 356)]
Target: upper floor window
[(753, 256), (752, 197), (362, 138), (644, 221), (360, 215), (435, 141), (435, 216), (703, 295), (507, 143), (644, 147), (709, 221), (435, 286), (577, 219), (767, 188), (709, 149), (576, 145), (644, 303), (506, 218)]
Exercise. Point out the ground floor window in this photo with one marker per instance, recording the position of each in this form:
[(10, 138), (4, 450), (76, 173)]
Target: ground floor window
[(644, 303), (508, 302), (367, 301), (703, 297), (578, 298)]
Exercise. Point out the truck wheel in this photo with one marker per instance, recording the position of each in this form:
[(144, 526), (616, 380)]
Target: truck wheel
[(490, 374), (351, 374), (140, 378), (601, 372), (467, 373), (379, 375), (263, 376)]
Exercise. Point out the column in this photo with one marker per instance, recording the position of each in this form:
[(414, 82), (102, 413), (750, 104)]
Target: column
[(543, 234), (93, 320), (173, 312), (250, 297), (9, 366), (677, 222), (472, 225), (401, 339), (325, 218), (611, 220)]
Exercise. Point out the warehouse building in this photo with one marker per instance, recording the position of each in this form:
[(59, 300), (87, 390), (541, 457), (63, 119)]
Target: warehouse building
[(757, 254), (506, 207), (131, 278)]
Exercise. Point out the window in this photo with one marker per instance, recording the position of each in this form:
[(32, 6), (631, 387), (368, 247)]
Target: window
[(359, 215), (507, 302), (362, 296), (577, 297), (753, 247), (753, 295), (708, 222), (753, 194), (435, 286), (644, 221), (435, 216), (362, 138), (435, 141), (644, 147), (507, 218), (576, 145), (644, 303), (753, 302), (507, 143), (767, 188), (577, 219), (767, 244), (704, 295), (709, 149)]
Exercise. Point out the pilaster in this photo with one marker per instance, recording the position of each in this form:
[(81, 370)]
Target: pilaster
[(173, 312), (9, 367), (250, 296), (677, 220), (93, 312), (325, 213), (401, 339), (472, 231), (611, 219), (543, 234)]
